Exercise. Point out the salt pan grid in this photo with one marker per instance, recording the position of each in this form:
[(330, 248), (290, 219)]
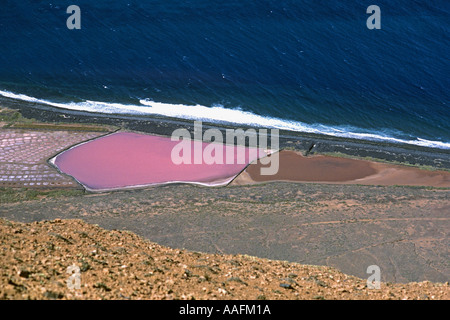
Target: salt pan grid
[(24, 155)]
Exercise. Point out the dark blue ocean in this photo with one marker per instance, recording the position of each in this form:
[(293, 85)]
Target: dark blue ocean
[(310, 66)]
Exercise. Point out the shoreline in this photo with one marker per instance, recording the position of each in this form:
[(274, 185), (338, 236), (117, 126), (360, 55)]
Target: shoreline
[(307, 143)]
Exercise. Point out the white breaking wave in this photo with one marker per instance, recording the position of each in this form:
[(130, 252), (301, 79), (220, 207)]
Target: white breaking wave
[(218, 113)]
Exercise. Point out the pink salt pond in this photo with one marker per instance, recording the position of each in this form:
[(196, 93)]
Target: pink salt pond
[(127, 160)]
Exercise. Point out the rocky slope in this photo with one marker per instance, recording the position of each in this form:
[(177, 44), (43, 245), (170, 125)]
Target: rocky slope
[(35, 259)]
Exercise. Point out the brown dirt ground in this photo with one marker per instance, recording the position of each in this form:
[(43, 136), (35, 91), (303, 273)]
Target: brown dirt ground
[(293, 166), (121, 265)]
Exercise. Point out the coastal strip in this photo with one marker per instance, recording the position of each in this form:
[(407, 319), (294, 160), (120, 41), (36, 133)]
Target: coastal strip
[(307, 143)]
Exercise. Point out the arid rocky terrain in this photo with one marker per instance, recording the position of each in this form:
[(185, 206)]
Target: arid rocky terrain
[(35, 258), (273, 240)]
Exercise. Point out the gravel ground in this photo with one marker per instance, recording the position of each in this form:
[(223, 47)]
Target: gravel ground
[(36, 258)]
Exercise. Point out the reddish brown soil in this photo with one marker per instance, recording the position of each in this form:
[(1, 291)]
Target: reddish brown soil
[(293, 166)]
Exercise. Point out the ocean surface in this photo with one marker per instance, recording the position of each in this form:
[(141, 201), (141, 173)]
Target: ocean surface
[(310, 66)]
